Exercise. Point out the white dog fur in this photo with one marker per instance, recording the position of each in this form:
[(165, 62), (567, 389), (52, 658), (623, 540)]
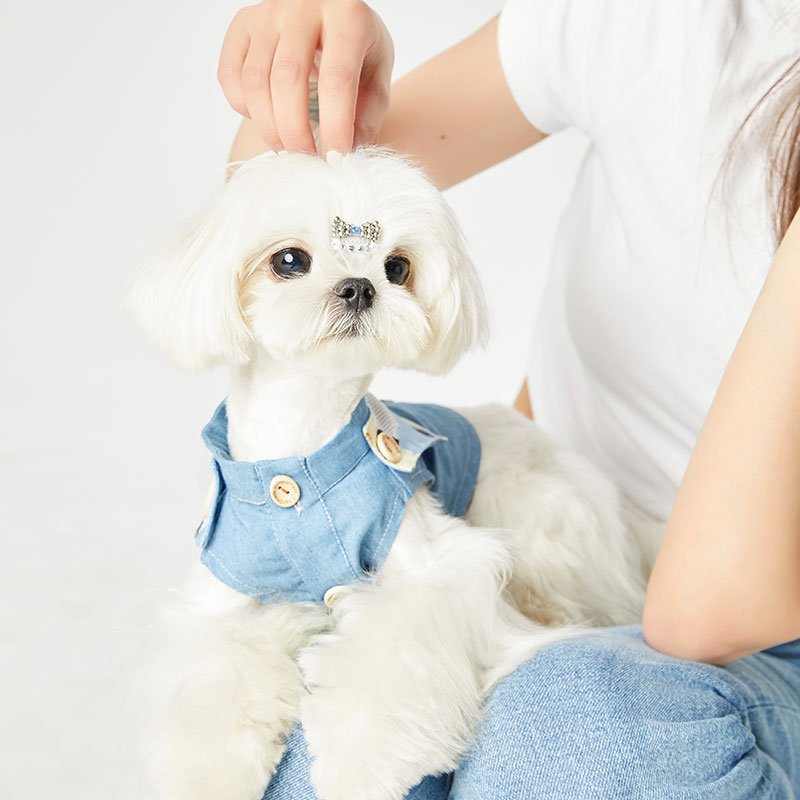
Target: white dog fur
[(388, 685)]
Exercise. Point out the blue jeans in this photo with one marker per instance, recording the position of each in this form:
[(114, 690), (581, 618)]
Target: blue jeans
[(606, 717)]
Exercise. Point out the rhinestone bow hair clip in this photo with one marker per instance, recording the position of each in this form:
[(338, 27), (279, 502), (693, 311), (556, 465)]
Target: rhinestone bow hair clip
[(354, 238)]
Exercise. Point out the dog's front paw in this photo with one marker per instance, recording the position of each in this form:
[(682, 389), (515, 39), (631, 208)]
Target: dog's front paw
[(231, 775), (377, 725), (334, 780), (221, 696), (353, 757)]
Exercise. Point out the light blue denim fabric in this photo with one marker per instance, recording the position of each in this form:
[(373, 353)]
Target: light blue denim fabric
[(605, 717), (351, 502)]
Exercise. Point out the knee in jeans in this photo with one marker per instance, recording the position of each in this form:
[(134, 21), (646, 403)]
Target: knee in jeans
[(610, 704), (612, 675), (582, 676)]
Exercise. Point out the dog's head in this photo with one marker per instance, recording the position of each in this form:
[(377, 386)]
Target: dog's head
[(268, 266)]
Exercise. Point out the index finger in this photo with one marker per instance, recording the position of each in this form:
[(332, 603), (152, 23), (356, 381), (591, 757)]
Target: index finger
[(231, 57)]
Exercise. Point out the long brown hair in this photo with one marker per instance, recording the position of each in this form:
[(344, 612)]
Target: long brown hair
[(783, 176)]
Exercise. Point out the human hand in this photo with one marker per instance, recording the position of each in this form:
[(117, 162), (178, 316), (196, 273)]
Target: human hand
[(268, 59)]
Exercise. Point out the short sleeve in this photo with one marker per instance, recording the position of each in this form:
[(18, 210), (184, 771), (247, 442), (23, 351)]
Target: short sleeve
[(573, 63)]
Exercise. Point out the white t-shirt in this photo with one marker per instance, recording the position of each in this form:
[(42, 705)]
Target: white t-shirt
[(662, 250)]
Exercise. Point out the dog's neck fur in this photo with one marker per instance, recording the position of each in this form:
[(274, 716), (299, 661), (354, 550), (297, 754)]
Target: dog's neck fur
[(275, 411)]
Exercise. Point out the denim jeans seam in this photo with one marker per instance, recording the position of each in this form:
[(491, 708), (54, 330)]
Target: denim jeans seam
[(776, 706), (248, 502), (331, 524), (465, 425), (222, 566), (285, 551), (342, 477), (388, 524)]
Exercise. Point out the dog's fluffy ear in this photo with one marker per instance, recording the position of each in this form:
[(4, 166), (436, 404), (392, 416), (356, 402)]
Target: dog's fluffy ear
[(453, 296), (187, 297)]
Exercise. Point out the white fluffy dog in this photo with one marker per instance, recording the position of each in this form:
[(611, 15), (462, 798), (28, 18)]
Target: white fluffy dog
[(388, 675)]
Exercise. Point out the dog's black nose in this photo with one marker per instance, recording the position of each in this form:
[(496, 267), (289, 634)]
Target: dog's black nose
[(357, 293)]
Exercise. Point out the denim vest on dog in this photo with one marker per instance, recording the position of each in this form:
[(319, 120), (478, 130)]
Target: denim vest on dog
[(333, 515)]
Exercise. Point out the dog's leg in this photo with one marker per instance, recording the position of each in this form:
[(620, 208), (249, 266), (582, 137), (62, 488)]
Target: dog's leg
[(221, 692), (397, 688)]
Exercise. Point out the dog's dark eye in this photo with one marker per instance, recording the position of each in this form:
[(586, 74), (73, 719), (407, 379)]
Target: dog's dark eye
[(291, 262), (397, 268)]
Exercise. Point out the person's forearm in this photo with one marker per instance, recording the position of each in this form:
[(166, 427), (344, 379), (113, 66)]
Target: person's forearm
[(727, 579), (454, 114)]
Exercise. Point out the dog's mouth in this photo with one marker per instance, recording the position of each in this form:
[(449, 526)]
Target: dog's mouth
[(349, 326), (350, 332), (342, 335)]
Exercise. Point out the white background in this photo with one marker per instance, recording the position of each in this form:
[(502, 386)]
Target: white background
[(114, 130)]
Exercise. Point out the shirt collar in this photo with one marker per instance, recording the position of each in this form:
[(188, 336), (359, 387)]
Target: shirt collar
[(328, 465)]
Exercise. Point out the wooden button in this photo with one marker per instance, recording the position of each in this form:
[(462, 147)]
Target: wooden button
[(335, 594), (389, 448), (284, 491)]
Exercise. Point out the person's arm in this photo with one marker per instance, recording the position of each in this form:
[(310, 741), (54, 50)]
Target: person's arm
[(523, 402), (455, 114), (726, 582)]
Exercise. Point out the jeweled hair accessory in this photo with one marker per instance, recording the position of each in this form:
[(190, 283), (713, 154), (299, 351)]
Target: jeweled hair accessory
[(354, 238)]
